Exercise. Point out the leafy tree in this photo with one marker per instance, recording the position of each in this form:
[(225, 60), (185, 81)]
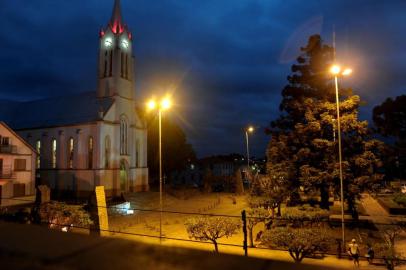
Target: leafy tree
[(211, 228), (302, 146), (269, 193), (300, 242), (390, 121), (255, 216), (387, 249), (176, 152), (390, 117)]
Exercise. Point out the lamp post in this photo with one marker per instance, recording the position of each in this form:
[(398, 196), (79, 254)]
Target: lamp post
[(250, 129), (163, 105), (337, 71)]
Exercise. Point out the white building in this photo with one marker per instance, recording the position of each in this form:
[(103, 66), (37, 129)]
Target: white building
[(17, 168), (95, 138)]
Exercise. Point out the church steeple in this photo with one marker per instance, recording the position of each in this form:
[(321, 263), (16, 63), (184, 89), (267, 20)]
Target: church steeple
[(116, 63), (116, 22)]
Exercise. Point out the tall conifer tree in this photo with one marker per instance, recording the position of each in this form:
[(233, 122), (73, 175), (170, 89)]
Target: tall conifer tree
[(303, 145)]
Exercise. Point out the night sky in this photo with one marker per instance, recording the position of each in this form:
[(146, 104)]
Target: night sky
[(224, 61)]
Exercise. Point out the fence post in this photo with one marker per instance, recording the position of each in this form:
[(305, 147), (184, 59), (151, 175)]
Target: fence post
[(244, 231)]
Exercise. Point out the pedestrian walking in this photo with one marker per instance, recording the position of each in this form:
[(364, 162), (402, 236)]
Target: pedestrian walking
[(353, 251), (370, 254)]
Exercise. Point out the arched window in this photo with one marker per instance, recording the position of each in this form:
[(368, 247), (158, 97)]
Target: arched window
[(71, 147), (123, 135), (90, 153), (137, 153), (107, 152), (38, 148), (53, 153)]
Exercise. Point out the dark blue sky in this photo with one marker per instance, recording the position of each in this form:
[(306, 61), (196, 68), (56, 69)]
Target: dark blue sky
[(225, 60)]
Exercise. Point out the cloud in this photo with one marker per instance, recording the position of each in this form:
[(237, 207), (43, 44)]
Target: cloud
[(227, 60)]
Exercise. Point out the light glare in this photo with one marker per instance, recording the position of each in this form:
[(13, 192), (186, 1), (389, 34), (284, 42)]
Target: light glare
[(165, 103), (347, 72), (335, 69), (250, 129), (151, 104)]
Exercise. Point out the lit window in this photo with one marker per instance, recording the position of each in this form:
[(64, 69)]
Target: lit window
[(71, 145), (107, 152), (123, 135), (137, 153), (90, 153), (53, 153), (38, 148)]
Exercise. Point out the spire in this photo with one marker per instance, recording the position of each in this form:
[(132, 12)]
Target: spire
[(116, 23)]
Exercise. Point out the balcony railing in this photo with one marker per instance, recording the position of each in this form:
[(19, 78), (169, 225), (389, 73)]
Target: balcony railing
[(6, 172), (8, 148)]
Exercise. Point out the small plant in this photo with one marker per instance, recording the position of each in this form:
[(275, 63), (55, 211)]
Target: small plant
[(211, 229)]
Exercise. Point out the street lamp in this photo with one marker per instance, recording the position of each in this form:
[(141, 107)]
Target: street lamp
[(338, 71), (250, 129), (165, 104)]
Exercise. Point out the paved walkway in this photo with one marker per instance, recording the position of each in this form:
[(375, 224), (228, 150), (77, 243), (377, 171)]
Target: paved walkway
[(379, 216)]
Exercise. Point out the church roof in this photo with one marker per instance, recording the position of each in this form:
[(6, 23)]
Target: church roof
[(116, 22), (55, 111)]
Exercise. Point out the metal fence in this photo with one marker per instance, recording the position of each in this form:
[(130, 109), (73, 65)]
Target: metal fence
[(142, 223)]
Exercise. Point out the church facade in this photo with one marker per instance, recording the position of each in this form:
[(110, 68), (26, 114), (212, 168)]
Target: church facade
[(95, 138)]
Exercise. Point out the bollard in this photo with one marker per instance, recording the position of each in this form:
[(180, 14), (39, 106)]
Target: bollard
[(244, 231)]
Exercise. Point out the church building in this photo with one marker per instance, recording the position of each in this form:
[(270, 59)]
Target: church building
[(94, 138)]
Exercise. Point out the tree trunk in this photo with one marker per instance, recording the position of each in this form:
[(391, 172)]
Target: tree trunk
[(279, 211), (324, 196), (250, 236), (352, 208), (216, 249)]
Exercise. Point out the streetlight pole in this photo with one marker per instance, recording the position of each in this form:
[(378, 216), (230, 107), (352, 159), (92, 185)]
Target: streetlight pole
[(336, 71), (248, 150), (164, 104), (340, 161), (250, 129), (160, 174)]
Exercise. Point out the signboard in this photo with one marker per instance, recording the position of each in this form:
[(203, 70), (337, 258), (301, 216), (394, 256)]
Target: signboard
[(102, 211)]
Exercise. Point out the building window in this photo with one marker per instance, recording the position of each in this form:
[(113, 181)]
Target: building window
[(107, 152), (71, 147), (38, 148), (53, 153), (123, 135), (90, 153), (19, 164), (137, 153), (5, 141)]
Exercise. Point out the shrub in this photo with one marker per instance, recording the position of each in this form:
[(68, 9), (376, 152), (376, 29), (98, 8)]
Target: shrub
[(400, 199), (300, 215), (300, 242), (59, 215)]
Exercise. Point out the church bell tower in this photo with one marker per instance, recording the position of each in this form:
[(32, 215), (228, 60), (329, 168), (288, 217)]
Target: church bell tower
[(116, 62)]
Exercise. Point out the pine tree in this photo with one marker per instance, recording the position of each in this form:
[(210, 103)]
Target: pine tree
[(303, 148)]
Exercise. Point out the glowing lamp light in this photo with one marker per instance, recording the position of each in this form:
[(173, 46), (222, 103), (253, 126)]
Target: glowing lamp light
[(335, 69), (151, 104), (250, 129), (165, 103), (347, 72)]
